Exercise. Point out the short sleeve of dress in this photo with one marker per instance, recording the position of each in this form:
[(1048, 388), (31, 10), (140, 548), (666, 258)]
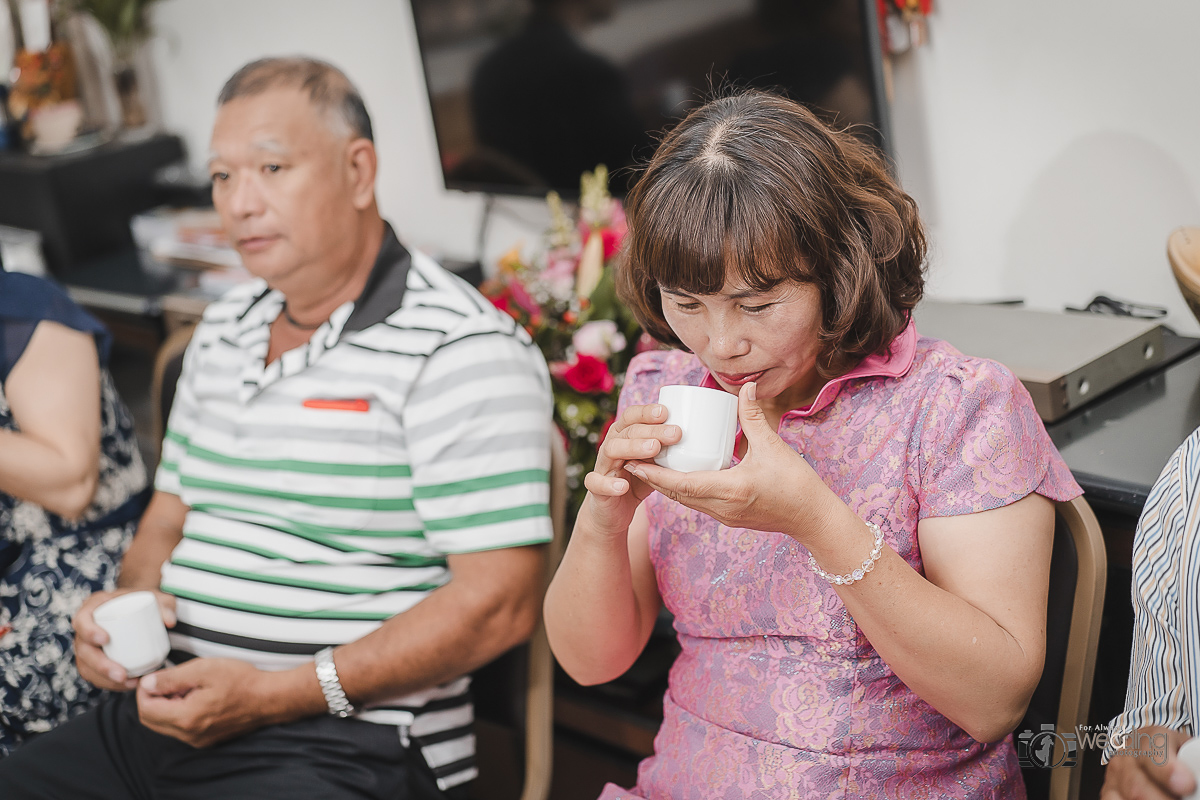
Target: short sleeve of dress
[(983, 445)]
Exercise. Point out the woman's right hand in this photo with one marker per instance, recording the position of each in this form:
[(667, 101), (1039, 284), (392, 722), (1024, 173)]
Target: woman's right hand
[(95, 667), (614, 494)]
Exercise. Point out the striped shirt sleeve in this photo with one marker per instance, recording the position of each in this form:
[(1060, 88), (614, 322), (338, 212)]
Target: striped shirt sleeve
[(478, 426), (179, 426), (1163, 675)]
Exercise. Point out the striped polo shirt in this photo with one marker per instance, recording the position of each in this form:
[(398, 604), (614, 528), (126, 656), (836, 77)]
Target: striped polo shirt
[(326, 489), (1164, 670)]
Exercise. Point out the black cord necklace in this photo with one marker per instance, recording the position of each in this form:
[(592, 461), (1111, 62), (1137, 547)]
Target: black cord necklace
[(296, 324)]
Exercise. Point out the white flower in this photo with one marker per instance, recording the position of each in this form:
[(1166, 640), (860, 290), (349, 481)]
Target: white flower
[(598, 339)]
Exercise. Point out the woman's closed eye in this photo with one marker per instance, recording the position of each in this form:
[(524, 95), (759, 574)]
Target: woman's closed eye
[(757, 309)]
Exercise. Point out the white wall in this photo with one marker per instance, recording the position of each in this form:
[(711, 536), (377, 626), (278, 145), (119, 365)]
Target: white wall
[(1052, 145), (200, 43)]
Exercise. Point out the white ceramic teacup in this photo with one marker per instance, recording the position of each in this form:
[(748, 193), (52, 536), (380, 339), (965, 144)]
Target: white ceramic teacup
[(137, 637), (1189, 755), (708, 419)]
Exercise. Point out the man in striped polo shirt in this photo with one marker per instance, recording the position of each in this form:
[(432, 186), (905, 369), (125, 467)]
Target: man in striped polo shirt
[(350, 505)]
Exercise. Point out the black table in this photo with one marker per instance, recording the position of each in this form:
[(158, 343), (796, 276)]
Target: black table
[(81, 202)]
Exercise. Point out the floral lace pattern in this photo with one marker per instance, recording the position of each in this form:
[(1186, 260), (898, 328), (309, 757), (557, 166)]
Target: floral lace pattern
[(777, 692), (55, 565)]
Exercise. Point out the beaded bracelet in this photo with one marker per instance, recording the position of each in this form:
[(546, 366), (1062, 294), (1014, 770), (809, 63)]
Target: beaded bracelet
[(858, 574)]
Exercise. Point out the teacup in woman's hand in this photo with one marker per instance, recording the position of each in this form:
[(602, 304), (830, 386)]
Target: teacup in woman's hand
[(137, 637), (708, 419)]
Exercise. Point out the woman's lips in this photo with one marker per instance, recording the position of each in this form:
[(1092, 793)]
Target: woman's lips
[(738, 378)]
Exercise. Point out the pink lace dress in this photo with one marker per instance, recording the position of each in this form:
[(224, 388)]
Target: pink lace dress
[(777, 693)]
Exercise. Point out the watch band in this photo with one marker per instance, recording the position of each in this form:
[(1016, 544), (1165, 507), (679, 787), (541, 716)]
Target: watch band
[(331, 687)]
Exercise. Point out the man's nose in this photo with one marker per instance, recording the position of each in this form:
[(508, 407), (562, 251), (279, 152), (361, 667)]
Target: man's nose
[(245, 199)]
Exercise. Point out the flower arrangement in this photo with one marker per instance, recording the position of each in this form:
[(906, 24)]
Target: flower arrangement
[(565, 296)]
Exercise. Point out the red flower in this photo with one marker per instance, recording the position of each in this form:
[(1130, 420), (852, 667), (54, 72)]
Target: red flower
[(589, 375), (610, 237), (500, 301)]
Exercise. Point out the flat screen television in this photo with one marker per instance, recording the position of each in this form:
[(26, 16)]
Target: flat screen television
[(527, 94)]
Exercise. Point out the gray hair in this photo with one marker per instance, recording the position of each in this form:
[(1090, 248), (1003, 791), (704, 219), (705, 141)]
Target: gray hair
[(328, 88)]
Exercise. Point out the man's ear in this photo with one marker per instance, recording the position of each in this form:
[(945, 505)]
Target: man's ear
[(361, 164)]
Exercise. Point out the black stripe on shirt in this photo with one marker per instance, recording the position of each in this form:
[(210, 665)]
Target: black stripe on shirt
[(444, 736), (441, 704), (247, 642), (453, 767)]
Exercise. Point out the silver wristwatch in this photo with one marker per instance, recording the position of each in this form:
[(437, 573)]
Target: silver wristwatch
[(331, 687)]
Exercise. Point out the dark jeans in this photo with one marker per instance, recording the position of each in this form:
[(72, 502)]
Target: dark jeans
[(107, 754)]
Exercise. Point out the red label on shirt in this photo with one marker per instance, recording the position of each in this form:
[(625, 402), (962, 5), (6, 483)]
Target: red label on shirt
[(339, 405)]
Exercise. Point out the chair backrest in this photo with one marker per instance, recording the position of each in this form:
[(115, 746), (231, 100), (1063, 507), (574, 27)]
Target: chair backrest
[(517, 689), (1183, 251), (1078, 575), (168, 363)]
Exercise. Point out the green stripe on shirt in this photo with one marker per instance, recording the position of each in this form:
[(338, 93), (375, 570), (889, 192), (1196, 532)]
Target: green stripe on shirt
[(299, 583), (272, 611), (325, 501), (309, 530), (531, 511), (482, 484), (313, 467)]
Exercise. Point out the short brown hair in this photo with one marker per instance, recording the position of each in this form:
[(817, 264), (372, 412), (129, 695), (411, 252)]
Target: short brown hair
[(756, 185), (328, 88)]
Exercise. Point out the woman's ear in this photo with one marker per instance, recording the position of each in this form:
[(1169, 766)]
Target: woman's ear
[(362, 164)]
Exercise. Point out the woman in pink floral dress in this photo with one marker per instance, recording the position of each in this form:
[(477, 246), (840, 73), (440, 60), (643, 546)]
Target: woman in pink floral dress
[(861, 599)]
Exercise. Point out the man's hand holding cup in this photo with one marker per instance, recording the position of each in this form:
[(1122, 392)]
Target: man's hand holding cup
[(121, 635)]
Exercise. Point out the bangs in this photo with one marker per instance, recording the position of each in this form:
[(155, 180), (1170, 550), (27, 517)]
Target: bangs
[(694, 236)]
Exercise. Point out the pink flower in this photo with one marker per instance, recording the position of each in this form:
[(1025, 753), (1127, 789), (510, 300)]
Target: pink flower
[(522, 298), (559, 274), (589, 375), (599, 339)]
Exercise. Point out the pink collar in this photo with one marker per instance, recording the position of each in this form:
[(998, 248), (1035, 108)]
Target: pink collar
[(896, 362)]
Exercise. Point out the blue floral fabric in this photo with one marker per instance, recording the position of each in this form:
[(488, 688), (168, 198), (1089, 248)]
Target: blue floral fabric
[(49, 565)]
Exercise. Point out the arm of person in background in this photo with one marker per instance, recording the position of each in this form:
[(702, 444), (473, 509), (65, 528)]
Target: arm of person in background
[(53, 391), (1143, 765)]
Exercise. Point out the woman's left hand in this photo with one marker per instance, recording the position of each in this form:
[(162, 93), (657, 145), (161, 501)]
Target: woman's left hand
[(772, 489)]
